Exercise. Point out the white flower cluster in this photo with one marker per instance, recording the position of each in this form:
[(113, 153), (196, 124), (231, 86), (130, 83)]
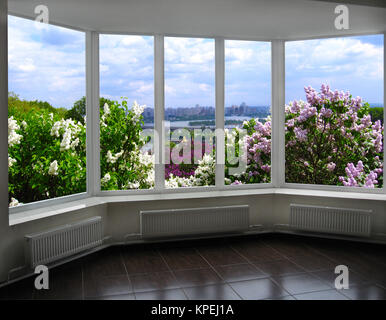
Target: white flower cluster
[(144, 163), (70, 130), (113, 158), (53, 169), (106, 109), (14, 203), (106, 112), (13, 137), (176, 182), (11, 161), (106, 178), (138, 110), (133, 185), (203, 175)]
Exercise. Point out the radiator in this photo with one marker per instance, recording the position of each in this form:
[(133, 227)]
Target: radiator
[(345, 221), (58, 243), (174, 222)]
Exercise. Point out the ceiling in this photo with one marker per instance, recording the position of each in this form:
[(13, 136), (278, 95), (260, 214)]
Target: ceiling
[(372, 3), (255, 19)]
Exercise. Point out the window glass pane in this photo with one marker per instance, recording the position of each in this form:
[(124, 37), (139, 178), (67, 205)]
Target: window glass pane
[(126, 112), (46, 110), (334, 115), (247, 112), (189, 112)]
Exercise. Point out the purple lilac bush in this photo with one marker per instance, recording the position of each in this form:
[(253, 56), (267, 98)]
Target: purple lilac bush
[(330, 139)]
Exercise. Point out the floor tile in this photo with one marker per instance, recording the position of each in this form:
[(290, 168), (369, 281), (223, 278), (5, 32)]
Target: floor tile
[(106, 286), (291, 248), (239, 272), (153, 281), (369, 292), (129, 296), (212, 292), (313, 262), (108, 262), (278, 267), (301, 283), (183, 258), (197, 277), (220, 255), (173, 294), (321, 295), (256, 251), (329, 276), (143, 261), (283, 298), (258, 289)]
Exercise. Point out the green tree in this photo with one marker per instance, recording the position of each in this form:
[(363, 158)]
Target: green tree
[(78, 111), (376, 114)]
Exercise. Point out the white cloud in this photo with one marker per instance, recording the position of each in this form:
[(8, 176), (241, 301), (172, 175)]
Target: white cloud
[(352, 64), (27, 66), (46, 64)]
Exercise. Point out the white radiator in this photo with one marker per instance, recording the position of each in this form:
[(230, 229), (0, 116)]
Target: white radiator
[(173, 222), (58, 243), (354, 222)]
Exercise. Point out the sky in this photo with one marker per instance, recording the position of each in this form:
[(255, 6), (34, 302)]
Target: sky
[(49, 64), (45, 64), (353, 64)]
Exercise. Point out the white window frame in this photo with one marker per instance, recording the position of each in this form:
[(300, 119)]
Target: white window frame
[(89, 177), (278, 122), (282, 134)]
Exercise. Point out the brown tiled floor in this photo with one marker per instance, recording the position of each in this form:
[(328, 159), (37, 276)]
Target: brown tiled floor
[(274, 266)]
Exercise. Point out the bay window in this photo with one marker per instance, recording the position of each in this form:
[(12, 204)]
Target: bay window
[(334, 112), (248, 112), (333, 127), (126, 112), (46, 111), (189, 112)]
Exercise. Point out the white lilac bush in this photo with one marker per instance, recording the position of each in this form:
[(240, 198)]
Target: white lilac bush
[(46, 156), (123, 164), (330, 139)]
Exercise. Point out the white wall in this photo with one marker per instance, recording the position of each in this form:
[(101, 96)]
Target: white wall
[(233, 18)]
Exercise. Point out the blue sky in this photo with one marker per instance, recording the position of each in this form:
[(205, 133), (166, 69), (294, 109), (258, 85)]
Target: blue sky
[(352, 64), (45, 64), (49, 64)]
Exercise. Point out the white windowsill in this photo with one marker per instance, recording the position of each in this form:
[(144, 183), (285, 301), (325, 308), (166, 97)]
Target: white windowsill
[(40, 213)]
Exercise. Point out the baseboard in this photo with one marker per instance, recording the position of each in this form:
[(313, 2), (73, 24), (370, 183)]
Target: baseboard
[(377, 238)]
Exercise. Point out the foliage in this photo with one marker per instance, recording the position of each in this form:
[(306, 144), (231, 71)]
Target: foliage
[(46, 156), (327, 135), (330, 139), (78, 111), (19, 107), (376, 113), (123, 165)]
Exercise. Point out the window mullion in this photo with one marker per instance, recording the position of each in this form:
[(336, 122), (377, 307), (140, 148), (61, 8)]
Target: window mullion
[(384, 108), (278, 115), (220, 112), (92, 113), (159, 101)]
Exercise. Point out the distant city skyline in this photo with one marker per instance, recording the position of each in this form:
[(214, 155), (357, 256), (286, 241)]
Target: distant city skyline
[(51, 67)]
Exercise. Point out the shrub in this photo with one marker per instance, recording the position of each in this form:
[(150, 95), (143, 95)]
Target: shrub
[(330, 139), (329, 133)]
